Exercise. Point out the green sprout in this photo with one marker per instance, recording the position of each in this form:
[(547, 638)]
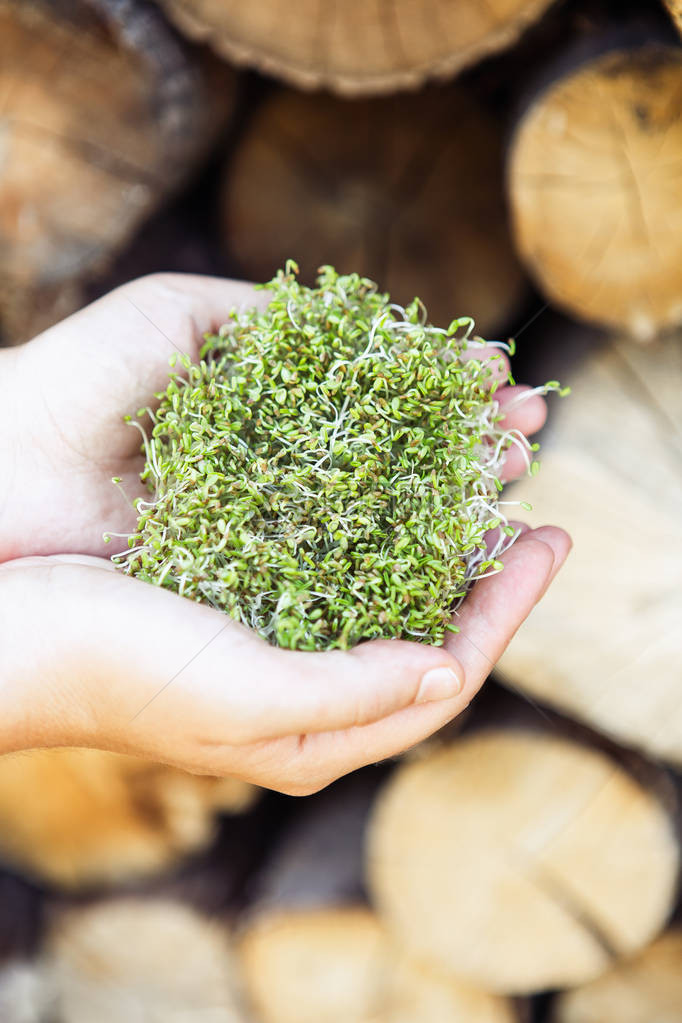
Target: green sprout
[(328, 472)]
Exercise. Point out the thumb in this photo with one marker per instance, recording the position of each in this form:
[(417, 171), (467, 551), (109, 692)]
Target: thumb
[(132, 666)]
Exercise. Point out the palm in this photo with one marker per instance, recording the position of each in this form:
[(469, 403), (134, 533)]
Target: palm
[(236, 705), (83, 376)]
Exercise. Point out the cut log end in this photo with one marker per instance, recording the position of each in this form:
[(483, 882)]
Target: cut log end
[(595, 177), (521, 861), (335, 965), (604, 645), (315, 966), (644, 989), (102, 817), (379, 187), (356, 48), (153, 956)]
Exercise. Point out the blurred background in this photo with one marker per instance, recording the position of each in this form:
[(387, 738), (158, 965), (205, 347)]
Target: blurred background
[(519, 161)]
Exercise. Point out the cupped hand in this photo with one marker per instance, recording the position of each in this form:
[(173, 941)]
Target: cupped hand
[(91, 657)]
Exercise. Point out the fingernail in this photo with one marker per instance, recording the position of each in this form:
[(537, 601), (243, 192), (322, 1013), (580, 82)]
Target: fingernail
[(438, 684)]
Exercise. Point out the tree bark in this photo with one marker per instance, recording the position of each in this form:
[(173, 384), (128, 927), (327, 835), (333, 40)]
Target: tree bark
[(103, 113)]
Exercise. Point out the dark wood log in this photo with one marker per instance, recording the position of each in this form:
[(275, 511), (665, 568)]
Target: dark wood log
[(406, 190), (104, 112)]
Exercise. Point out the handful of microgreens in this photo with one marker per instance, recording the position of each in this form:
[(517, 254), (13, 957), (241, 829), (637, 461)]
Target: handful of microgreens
[(328, 471)]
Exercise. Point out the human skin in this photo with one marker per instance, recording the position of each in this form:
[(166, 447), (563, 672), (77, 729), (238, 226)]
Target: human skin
[(92, 657)]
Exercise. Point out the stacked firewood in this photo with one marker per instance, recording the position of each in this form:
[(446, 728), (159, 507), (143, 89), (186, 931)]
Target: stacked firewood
[(494, 159), (526, 854)]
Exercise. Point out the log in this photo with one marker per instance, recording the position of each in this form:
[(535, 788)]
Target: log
[(604, 645), (380, 187), (356, 48), (519, 860), (104, 112), (316, 966), (81, 817), (313, 951), (310, 951), (336, 965), (136, 958), (595, 169), (646, 989), (25, 997), (318, 860), (422, 995), (27, 311), (675, 9)]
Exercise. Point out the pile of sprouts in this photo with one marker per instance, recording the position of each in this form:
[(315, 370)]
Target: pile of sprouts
[(328, 472)]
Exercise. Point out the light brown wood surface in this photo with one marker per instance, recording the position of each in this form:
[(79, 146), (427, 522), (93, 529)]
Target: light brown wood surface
[(360, 46), (646, 989), (79, 817), (605, 644), (384, 187), (141, 959), (422, 995), (326, 965), (520, 861), (595, 178), (335, 965)]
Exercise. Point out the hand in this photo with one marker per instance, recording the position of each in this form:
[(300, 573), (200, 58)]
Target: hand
[(91, 657)]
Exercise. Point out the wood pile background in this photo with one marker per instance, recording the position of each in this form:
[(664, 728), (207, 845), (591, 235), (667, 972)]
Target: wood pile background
[(519, 161)]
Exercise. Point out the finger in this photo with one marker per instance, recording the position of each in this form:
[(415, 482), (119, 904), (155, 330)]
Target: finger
[(237, 682), (495, 536), (525, 413), (516, 464), (158, 666), (126, 339), (523, 409), (496, 359), (498, 605), (495, 610)]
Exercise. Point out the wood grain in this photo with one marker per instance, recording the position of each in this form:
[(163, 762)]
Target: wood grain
[(357, 47), (595, 176), (605, 644)]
